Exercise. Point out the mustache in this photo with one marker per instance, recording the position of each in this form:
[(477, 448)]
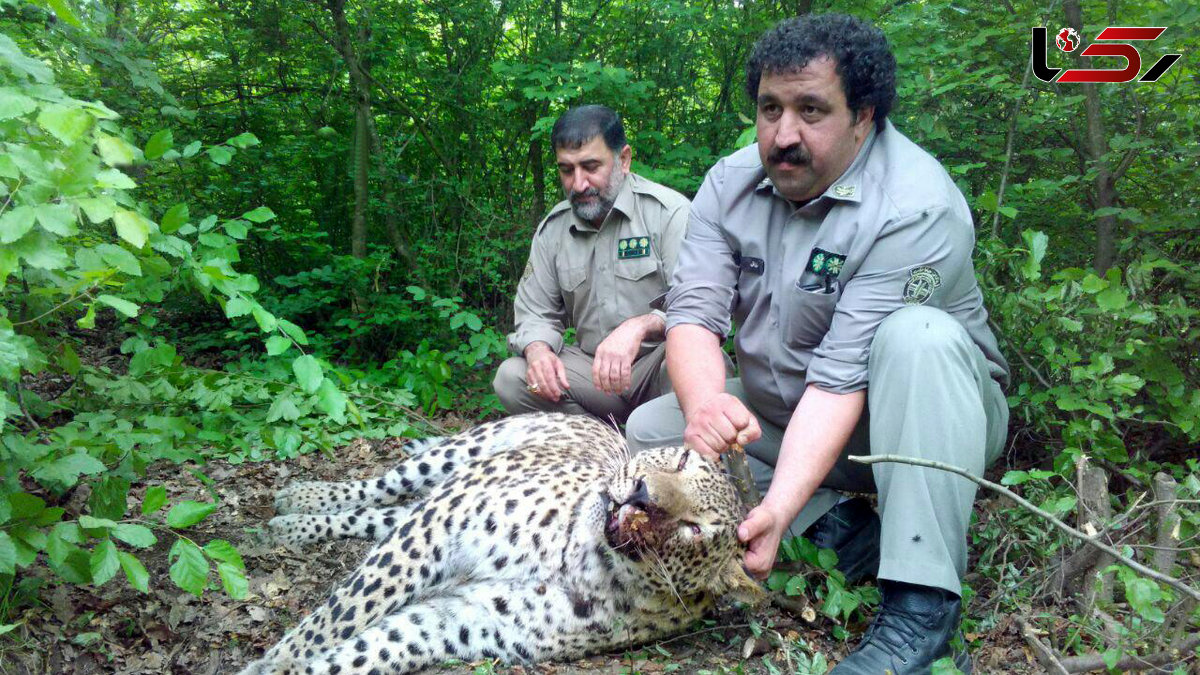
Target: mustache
[(793, 154), (590, 192)]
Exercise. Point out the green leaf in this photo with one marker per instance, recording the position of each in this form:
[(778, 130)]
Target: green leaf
[(94, 523), (293, 331), (944, 666), (65, 123), (8, 554), (795, 585), (239, 306), (1093, 284), (233, 580), (308, 373), (1126, 384), (332, 401), (135, 571), (120, 258), (174, 218), (66, 469), (98, 209), (189, 568), (108, 497), (243, 140), (277, 344), (260, 215), (220, 154), (159, 143), (63, 11), (155, 499), (238, 229), (1036, 242), (116, 151), (135, 535), (1015, 478), (132, 226), (1112, 299), (223, 551), (283, 408), (186, 514), (114, 178), (1142, 593), (14, 104), (16, 61), (191, 149), (125, 307), (56, 218), (266, 321), (104, 562), (15, 222)]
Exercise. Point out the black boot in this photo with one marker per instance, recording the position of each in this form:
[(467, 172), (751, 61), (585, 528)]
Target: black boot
[(851, 529), (912, 630)]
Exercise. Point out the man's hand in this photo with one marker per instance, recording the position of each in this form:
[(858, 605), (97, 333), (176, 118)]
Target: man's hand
[(718, 423), (546, 376), (762, 530), (612, 366)]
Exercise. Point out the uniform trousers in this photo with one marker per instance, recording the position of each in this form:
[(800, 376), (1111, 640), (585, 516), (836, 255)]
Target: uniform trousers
[(649, 378), (930, 396)]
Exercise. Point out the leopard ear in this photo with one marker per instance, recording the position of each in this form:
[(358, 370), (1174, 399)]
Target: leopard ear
[(740, 586)]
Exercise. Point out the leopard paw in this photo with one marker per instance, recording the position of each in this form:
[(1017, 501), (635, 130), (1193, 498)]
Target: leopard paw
[(313, 497)]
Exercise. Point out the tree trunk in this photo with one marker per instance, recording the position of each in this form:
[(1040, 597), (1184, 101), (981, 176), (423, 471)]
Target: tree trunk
[(1095, 145), (362, 148), (362, 156), (537, 167)]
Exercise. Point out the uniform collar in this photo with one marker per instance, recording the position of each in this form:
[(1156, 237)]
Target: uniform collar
[(623, 204), (847, 188)]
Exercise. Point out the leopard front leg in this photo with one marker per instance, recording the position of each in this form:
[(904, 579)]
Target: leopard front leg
[(362, 523)]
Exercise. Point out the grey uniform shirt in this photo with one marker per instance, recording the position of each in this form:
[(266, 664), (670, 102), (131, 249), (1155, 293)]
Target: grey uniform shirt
[(594, 279), (808, 286)]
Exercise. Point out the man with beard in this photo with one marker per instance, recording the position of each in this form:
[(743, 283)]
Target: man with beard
[(597, 261), (842, 252)]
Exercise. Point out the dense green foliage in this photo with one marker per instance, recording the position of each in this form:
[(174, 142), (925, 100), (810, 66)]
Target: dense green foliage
[(389, 162)]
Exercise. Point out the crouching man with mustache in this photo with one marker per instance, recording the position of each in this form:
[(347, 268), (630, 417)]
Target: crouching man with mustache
[(597, 261), (842, 253)]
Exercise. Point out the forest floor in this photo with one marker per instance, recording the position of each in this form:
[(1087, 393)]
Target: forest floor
[(115, 629)]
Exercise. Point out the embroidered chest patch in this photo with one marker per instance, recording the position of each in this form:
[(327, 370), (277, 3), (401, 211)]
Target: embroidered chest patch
[(633, 247), (922, 282), (826, 263)]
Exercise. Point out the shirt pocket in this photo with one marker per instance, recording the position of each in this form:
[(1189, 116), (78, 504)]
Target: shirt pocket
[(637, 284), (569, 277), (808, 314), (570, 280)]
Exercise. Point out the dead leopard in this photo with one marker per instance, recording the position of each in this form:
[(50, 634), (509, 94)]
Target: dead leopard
[(531, 538)]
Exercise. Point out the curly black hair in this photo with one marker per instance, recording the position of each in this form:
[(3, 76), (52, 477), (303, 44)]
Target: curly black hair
[(860, 50)]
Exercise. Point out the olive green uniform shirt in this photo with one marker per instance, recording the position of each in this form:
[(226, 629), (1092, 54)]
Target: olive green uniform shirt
[(593, 278), (808, 285)]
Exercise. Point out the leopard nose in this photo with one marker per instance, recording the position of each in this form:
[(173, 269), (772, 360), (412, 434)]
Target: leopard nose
[(640, 497)]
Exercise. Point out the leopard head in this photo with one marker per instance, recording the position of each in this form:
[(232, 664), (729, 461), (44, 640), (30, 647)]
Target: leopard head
[(675, 514)]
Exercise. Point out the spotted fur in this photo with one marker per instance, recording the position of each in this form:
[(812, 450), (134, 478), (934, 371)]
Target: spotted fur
[(528, 539)]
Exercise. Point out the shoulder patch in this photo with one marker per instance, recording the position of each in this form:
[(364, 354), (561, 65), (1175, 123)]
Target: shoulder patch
[(922, 282)]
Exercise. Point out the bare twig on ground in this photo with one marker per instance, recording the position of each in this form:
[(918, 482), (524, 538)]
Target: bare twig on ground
[(1117, 555), (1041, 650), (1173, 654)]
